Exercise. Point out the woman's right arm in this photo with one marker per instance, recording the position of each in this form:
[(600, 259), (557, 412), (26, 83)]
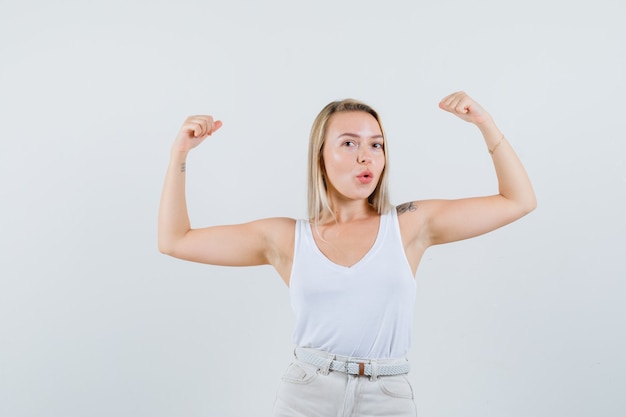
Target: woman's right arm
[(255, 243)]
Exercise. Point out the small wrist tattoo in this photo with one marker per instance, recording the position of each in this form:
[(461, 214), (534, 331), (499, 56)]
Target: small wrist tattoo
[(183, 167), (403, 208)]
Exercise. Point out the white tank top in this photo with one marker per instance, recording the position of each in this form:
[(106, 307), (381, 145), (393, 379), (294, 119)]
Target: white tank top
[(362, 311)]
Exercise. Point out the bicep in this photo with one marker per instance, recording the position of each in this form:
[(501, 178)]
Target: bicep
[(246, 244), (454, 220)]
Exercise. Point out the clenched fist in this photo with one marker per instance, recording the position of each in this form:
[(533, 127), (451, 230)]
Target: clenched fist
[(193, 131), (463, 106)]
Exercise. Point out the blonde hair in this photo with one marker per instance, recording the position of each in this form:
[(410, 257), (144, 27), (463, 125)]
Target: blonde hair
[(318, 202)]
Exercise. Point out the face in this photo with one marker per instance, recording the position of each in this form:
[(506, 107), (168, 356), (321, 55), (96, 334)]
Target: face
[(354, 155)]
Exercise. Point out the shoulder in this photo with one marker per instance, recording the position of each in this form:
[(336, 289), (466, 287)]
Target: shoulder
[(408, 207), (275, 226), (266, 231), (277, 221), (413, 219), (279, 233), (418, 209)]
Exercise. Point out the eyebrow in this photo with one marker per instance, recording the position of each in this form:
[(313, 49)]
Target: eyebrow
[(354, 135)]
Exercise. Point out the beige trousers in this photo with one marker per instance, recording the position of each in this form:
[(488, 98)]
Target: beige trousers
[(310, 391)]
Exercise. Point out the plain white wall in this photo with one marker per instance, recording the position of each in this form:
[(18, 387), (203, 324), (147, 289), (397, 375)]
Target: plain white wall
[(528, 320)]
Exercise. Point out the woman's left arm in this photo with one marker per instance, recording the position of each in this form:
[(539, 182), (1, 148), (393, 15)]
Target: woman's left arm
[(452, 220)]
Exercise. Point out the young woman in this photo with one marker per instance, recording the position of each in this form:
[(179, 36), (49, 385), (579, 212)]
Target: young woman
[(349, 266)]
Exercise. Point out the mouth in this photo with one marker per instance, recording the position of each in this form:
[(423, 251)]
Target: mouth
[(365, 177)]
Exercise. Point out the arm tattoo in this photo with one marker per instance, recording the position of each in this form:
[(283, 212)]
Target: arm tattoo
[(183, 167), (403, 208)]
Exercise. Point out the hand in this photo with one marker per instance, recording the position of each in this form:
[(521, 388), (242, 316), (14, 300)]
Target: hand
[(193, 132), (463, 106)]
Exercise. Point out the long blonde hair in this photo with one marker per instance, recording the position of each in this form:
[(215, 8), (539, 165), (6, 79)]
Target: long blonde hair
[(318, 202)]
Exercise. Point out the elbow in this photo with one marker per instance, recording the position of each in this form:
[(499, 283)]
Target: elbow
[(532, 203), (170, 243), (528, 205), (520, 207), (165, 246), (164, 249)]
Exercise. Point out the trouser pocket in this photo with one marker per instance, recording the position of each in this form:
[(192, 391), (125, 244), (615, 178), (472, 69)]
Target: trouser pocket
[(397, 386)]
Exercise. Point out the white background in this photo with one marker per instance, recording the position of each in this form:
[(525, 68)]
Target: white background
[(528, 320)]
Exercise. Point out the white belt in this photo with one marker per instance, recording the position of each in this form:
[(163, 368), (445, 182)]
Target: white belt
[(368, 368)]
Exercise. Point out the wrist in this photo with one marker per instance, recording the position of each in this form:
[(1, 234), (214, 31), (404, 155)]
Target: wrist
[(487, 125), (492, 135), (490, 131), (178, 151), (178, 162)]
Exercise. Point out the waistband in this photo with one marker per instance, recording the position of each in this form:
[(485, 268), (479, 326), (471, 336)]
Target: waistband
[(352, 366)]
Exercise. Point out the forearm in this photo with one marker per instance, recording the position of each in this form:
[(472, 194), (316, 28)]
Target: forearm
[(513, 181), (173, 220)]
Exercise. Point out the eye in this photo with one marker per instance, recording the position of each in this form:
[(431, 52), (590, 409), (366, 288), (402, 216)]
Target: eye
[(378, 145), (349, 143)]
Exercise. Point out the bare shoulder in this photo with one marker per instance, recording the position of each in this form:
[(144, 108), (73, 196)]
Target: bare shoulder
[(277, 228), (408, 207), (280, 234), (412, 218), (280, 221), (409, 215), (418, 209)]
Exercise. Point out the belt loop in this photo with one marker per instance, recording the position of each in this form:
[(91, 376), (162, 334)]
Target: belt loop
[(374, 368), (324, 369)]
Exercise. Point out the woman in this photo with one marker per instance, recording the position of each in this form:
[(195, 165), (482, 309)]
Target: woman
[(350, 266)]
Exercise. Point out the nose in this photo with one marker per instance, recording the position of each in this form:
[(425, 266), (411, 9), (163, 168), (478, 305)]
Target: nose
[(364, 157)]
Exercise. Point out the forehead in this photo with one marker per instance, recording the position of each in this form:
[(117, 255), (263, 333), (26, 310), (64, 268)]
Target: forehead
[(355, 122)]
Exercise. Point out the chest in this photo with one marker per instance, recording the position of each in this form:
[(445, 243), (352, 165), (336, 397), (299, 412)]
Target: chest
[(346, 245)]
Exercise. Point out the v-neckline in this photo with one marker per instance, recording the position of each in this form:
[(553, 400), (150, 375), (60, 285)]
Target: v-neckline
[(366, 255)]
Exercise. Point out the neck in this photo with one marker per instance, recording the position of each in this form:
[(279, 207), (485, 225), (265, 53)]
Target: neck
[(346, 212)]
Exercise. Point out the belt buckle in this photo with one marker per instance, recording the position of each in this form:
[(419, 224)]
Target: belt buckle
[(361, 365)]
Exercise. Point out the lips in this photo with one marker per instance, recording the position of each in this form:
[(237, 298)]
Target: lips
[(365, 177)]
